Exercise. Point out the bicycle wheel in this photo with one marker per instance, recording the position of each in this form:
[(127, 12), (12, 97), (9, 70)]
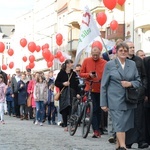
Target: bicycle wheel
[(74, 120), (87, 119)]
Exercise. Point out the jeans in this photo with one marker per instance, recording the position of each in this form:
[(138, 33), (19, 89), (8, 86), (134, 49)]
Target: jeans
[(2, 111), (51, 112), (39, 110), (10, 107), (96, 111), (22, 110), (59, 116)]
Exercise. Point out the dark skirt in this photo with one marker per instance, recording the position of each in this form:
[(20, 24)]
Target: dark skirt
[(123, 120)]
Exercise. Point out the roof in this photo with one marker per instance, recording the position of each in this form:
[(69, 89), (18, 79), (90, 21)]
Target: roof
[(7, 30)]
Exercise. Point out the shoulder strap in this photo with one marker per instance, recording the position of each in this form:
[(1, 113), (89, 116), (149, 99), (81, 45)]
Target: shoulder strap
[(68, 80), (70, 76)]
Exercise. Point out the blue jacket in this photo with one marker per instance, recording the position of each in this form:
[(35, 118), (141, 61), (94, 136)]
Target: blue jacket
[(8, 94)]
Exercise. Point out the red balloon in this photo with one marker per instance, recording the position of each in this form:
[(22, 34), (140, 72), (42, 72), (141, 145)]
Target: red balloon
[(110, 4), (58, 54), (51, 57), (31, 58), (59, 37), (27, 67), (45, 46), (114, 25), (10, 52), (101, 18), (46, 54), (24, 58), (11, 65), (59, 42), (49, 64), (31, 65), (61, 59), (4, 67), (23, 42), (97, 44), (2, 47), (121, 2), (38, 48), (32, 47)]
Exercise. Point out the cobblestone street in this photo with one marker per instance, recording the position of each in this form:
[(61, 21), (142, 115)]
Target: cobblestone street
[(24, 135)]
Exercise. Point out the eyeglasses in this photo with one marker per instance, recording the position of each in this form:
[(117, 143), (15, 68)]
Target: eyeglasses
[(131, 47), (121, 51)]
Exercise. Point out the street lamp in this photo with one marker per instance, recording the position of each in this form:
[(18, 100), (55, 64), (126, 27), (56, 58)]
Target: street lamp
[(70, 36)]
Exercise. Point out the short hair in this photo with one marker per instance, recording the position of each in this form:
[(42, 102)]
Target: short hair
[(122, 44), (139, 51), (78, 65)]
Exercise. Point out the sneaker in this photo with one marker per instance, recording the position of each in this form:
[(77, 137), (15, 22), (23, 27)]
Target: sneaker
[(54, 123), (41, 124), (96, 134), (36, 122), (59, 123), (49, 122), (111, 139)]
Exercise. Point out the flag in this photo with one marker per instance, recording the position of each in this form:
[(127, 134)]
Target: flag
[(88, 32)]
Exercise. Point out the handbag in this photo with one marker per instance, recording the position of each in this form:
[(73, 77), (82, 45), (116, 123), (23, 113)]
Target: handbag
[(29, 100), (131, 93), (57, 95)]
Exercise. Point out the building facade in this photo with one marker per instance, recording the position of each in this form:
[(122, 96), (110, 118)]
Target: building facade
[(48, 18)]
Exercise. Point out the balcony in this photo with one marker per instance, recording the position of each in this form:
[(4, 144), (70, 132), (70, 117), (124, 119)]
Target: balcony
[(142, 21)]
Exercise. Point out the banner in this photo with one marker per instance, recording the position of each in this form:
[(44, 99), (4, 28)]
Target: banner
[(88, 32)]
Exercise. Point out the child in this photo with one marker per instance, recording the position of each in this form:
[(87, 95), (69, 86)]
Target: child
[(10, 99), (51, 107), (2, 98)]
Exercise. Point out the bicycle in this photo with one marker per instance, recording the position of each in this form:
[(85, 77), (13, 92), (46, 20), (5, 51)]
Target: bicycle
[(86, 115)]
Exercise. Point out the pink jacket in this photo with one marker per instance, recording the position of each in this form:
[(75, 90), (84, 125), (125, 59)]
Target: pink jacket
[(30, 90), (2, 92)]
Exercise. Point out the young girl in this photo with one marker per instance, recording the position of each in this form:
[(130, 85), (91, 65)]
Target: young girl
[(2, 98), (40, 95), (10, 99), (51, 107)]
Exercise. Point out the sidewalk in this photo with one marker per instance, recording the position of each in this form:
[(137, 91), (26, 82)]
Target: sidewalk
[(24, 135)]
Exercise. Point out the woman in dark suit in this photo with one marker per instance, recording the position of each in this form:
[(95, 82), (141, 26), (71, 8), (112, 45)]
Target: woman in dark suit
[(62, 81), (119, 74)]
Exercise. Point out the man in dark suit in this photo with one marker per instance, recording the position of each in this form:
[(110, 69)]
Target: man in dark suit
[(136, 134), (4, 75), (14, 88), (146, 61)]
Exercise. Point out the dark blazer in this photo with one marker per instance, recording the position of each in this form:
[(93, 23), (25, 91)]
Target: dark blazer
[(22, 93), (68, 93), (142, 73), (63, 77), (147, 68), (14, 86), (112, 92)]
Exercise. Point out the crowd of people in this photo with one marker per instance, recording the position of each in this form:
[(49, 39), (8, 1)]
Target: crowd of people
[(31, 96)]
